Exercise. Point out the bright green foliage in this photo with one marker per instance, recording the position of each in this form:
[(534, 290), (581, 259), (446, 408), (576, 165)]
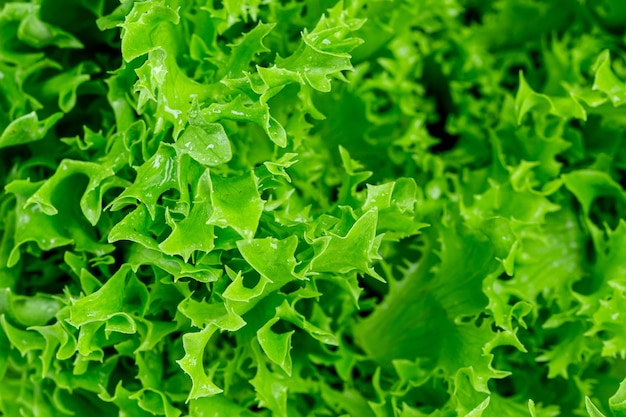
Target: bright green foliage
[(368, 208)]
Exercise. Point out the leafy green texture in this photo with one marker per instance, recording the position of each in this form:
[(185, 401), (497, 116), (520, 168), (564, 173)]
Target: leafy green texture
[(312, 208)]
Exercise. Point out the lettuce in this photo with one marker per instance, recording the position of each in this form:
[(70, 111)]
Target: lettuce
[(312, 208)]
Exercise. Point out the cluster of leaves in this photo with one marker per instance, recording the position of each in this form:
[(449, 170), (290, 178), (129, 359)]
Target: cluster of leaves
[(284, 208)]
